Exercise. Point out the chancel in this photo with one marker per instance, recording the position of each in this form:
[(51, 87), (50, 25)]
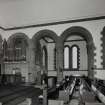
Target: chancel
[(52, 52)]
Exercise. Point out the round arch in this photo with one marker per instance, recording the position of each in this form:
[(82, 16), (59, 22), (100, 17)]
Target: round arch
[(90, 44), (17, 35), (44, 33), (81, 31), (41, 34), (35, 40)]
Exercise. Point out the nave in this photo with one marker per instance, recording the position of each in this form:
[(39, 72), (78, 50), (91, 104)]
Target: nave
[(73, 91)]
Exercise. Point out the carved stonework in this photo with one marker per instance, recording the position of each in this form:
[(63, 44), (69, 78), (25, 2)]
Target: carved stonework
[(103, 47)]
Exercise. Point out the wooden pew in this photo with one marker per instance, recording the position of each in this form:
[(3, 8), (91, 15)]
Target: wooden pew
[(67, 93)]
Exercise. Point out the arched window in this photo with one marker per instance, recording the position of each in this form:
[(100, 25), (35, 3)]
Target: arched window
[(44, 54), (20, 49), (16, 50), (74, 57), (66, 57)]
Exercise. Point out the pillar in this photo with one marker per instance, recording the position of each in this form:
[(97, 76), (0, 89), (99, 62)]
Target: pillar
[(34, 73), (103, 47), (59, 49), (91, 61), (31, 64)]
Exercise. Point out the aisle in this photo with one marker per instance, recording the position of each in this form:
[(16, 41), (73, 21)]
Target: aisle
[(82, 95), (75, 98)]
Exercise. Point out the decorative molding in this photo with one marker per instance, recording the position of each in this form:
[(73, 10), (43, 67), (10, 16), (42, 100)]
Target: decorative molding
[(45, 33), (78, 57), (44, 39), (53, 23), (73, 70), (78, 40), (103, 46), (98, 69)]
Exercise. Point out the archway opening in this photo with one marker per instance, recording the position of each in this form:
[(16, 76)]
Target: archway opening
[(81, 40), (46, 51), (75, 55), (45, 56), (16, 48), (15, 55)]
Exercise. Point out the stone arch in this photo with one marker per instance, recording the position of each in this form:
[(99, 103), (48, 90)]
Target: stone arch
[(81, 31), (45, 33), (35, 40), (10, 40), (11, 44)]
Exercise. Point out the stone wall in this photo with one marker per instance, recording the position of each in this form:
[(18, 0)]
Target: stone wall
[(94, 27)]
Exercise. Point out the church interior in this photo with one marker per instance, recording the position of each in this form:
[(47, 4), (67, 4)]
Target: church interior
[(52, 52)]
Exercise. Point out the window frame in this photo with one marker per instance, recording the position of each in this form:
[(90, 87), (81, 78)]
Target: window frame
[(78, 56), (66, 46)]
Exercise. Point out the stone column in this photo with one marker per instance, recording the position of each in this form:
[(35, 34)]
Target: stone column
[(34, 69), (90, 60), (103, 47), (59, 49), (38, 61), (31, 62)]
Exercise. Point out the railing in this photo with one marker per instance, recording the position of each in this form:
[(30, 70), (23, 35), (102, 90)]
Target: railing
[(67, 85)]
